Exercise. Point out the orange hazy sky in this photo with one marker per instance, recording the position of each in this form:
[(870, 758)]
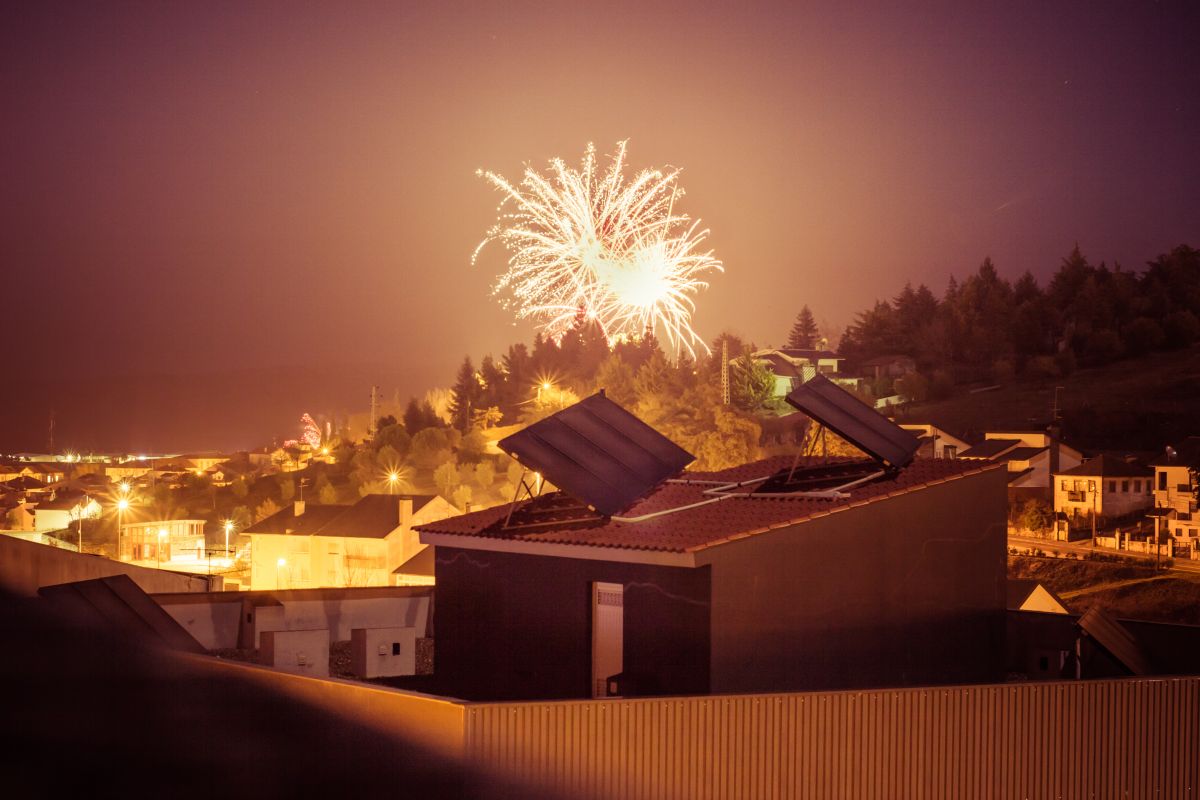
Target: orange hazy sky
[(188, 188)]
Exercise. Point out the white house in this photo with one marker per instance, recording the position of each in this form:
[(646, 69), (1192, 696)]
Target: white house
[(370, 543), (793, 367), (935, 442), (64, 508), (1105, 487), (1032, 457), (1177, 490)]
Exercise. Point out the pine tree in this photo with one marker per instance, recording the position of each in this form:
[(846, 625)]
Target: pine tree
[(804, 331), (464, 396)]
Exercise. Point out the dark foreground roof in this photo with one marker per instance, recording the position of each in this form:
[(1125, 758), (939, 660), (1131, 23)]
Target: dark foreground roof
[(90, 712), (118, 604), (703, 526)]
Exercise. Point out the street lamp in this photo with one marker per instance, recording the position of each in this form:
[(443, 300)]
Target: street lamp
[(228, 528), (122, 504), (393, 479)]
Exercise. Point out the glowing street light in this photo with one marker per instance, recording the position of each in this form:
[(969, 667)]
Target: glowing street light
[(228, 528), (162, 537), (393, 479)]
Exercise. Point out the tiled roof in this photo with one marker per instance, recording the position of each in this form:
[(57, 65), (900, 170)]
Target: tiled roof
[(286, 521), (1022, 453), (989, 448), (63, 501), (1106, 466), (1187, 454), (23, 484), (792, 352), (710, 524), (372, 517)]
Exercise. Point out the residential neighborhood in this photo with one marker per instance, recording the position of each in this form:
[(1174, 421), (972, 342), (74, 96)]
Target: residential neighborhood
[(622, 401)]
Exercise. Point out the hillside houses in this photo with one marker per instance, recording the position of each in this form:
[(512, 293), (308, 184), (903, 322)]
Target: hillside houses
[(1104, 488)]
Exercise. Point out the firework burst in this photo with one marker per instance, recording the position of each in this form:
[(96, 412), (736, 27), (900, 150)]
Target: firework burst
[(588, 241)]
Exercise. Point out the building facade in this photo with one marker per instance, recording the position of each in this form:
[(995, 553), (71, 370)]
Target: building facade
[(900, 582)]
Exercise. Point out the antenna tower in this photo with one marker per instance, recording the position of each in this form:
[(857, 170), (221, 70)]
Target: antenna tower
[(724, 371), (371, 431)]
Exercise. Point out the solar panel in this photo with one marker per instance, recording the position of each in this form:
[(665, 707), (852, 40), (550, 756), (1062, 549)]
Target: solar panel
[(855, 421), (599, 453)]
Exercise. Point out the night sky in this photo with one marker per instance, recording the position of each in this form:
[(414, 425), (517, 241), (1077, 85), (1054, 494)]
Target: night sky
[(259, 208)]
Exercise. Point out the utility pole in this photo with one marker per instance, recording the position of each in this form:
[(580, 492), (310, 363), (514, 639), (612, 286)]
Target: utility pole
[(724, 371), (374, 413), (1095, 488)]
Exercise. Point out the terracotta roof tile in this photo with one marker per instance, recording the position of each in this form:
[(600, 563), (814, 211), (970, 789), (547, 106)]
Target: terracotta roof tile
[(707, 523)]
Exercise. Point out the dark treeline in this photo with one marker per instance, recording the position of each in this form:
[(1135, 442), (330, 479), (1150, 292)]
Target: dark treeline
[(987, 328)]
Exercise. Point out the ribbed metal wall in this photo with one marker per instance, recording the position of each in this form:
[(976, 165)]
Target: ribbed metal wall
[(1135, 738)]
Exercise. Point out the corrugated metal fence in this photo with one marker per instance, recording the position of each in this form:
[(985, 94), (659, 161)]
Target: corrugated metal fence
[(1130, 738)]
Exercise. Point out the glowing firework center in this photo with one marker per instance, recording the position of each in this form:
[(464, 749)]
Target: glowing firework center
[(615, 250)]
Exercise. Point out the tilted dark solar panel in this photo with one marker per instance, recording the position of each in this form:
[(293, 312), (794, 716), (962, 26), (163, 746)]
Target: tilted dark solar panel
[(598, 452), (855, 421)]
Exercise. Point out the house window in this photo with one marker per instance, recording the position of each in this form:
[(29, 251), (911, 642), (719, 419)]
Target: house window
[(1125, 486), (1162, 481), (949, 451), (1064, 484), (1137, 487), (1112, 487)]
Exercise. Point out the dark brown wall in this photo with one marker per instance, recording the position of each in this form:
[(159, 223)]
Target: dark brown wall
[(902, 592), (510, 626)]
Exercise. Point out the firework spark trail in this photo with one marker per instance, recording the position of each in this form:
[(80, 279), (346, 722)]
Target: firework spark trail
[(581, 240)]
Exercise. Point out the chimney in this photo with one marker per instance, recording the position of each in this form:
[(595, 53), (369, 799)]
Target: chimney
[(298, 508), (406, 511), (1055, 432)]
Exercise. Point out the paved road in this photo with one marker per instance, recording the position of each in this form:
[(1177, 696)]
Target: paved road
[(1100, 587), (1048, 546)]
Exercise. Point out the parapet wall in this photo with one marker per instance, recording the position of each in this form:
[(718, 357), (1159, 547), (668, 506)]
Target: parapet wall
[(25, 567)]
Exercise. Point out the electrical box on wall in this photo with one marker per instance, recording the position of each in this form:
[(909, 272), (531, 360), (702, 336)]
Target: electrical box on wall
[(302, 652), (383, 652)]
